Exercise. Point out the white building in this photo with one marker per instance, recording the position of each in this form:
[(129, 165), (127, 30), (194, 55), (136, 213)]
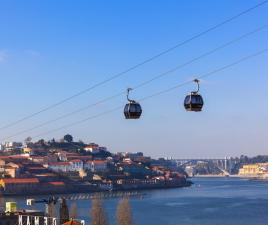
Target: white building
[(9, 146), (71, 166), (76, 165), (60, 166), (94, 148), (96, 165)]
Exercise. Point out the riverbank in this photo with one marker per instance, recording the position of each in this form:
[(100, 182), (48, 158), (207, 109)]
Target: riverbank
[(209, 201), (85, 188), (210, 175), (221, 176)]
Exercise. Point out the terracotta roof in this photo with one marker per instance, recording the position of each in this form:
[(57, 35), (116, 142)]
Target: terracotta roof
[(37, 157), (96, 161), (92, 145), (100, 162), (57, 183), (20, 180), (14, 157), (76, 160)]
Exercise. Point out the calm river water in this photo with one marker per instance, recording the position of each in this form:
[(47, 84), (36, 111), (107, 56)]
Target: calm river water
[(210, 201)]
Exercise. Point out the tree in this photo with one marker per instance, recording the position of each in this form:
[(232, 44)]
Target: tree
[(123, 213), (64, 212), (98, 214), (73, 211), (2, 203), (68, 138), (51, 210), (41, 142), (28, 140)]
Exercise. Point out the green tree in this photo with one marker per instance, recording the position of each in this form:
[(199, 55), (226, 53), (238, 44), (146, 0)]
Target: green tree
[(2, 203), (68, 138), (28, 140), (124, 213), (98, 214), (51, 211), (64, 212), (41, 142)]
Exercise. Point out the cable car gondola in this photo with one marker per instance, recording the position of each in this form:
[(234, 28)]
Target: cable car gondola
[(194, 101), (132, 109)]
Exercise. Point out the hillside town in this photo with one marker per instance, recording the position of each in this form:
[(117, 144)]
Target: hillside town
[(66, 166), (256, 170)]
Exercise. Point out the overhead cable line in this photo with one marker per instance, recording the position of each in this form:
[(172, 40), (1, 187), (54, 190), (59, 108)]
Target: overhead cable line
[(145, 82), (160, 92), (207, 74), (136, 65)]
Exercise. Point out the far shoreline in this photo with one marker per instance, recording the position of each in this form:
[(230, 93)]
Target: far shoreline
[(92, 193), (217, 176)]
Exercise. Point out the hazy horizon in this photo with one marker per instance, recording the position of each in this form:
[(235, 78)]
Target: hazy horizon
[(50, 51)]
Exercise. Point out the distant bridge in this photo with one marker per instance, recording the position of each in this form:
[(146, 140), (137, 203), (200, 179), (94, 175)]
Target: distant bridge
[(185, 161), (223, 164), (200, 159)]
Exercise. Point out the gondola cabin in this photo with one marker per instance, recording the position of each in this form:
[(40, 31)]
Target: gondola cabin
[(193, 102), (132, 109)]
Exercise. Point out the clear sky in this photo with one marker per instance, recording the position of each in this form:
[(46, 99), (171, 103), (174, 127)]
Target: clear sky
[(50, 50)]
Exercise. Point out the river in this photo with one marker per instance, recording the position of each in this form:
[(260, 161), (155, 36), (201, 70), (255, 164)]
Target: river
[(209, 201)]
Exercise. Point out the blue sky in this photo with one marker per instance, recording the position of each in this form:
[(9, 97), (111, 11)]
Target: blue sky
[(50, 50)]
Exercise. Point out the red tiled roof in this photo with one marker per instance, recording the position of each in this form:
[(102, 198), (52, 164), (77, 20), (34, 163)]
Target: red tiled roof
[(37, 157), (92, 146), (76, 160), (100, 161), (14, 157), (57, 183), (20, 180), (96, 161)]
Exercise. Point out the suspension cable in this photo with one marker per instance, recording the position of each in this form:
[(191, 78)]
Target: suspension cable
[(208, 53), (160, 92), (196, 36)]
